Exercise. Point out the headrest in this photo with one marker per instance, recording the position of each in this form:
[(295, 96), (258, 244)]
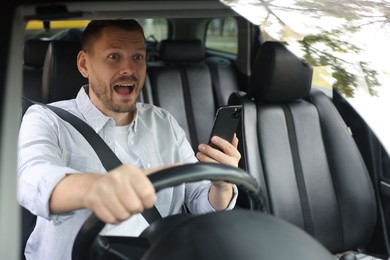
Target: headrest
[(34, 52), (181, 50), (61, 78), (278, 75)]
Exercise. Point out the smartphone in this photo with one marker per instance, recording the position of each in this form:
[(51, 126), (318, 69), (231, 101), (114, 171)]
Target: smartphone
[(225, 123)]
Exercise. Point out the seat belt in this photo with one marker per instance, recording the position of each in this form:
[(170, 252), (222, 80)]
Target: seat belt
[(103, 151)]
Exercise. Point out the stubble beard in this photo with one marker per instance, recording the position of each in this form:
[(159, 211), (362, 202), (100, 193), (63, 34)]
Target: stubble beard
[(106, 98)]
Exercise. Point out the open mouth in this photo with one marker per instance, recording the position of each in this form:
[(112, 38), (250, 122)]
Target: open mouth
[(124, 89)]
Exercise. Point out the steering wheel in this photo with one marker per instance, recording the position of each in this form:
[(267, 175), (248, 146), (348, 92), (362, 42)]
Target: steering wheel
[(214, 235)]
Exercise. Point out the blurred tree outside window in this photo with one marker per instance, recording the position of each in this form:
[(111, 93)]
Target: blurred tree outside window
[(154, 29), (345, 40)]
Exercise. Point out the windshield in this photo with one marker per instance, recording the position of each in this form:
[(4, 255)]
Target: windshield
[(346, 42)]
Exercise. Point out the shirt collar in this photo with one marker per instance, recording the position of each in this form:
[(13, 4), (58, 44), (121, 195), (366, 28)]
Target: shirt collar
[(133, 125), (94, 117)]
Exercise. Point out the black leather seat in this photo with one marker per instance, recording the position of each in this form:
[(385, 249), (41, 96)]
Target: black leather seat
[(34, 57), (181, 83), (61, 78), (224, 78), (189, 87), (294, 142)]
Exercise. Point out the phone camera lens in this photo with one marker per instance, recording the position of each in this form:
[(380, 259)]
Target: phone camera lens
[(236, 114)]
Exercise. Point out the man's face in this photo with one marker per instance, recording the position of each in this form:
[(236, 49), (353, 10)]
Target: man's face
[(116, 69)]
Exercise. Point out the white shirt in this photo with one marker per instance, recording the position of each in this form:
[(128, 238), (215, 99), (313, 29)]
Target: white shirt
[(50, 148)]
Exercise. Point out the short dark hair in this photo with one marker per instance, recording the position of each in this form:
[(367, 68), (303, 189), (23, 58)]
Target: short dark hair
[(95, 27)]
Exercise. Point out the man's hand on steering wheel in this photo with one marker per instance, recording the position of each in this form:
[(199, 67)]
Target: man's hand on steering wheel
[(121, 193)]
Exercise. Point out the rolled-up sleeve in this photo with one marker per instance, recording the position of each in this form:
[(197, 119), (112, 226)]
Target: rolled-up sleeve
[(197, 199), (41, 164)]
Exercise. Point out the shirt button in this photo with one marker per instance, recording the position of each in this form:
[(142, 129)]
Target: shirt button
[(132, 142), (148, 165)]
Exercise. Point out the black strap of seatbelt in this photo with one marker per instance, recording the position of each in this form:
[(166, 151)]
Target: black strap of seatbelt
[(302, 191), (104, 152)]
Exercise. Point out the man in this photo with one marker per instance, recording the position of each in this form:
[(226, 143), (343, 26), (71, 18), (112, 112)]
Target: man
[(61, 179)]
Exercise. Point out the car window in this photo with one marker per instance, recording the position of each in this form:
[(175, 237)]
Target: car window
[(345, 45), (221, 35), (54, 29), (155, 29)]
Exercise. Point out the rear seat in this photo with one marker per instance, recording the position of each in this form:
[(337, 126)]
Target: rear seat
[(183, 70), (34, 57), (224, 77), (181, 83), (61, 78)]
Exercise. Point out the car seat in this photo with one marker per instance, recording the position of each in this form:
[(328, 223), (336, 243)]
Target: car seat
[(295, 143), (34, 56), (190, 87)]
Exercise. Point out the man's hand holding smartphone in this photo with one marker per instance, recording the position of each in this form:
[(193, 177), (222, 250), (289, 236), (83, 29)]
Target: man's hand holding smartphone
[(222, 147)]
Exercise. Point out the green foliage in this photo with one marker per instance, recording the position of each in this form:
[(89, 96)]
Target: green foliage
[(326, 49), (370, 77), (344, 81)]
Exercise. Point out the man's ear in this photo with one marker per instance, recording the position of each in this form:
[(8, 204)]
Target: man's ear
[(82, 64)]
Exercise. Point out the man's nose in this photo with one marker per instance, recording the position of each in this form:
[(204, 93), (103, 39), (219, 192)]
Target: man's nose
[(127, 67)]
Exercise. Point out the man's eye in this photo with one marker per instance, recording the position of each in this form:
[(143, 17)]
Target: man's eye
[(113, 56), (138, 57)]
